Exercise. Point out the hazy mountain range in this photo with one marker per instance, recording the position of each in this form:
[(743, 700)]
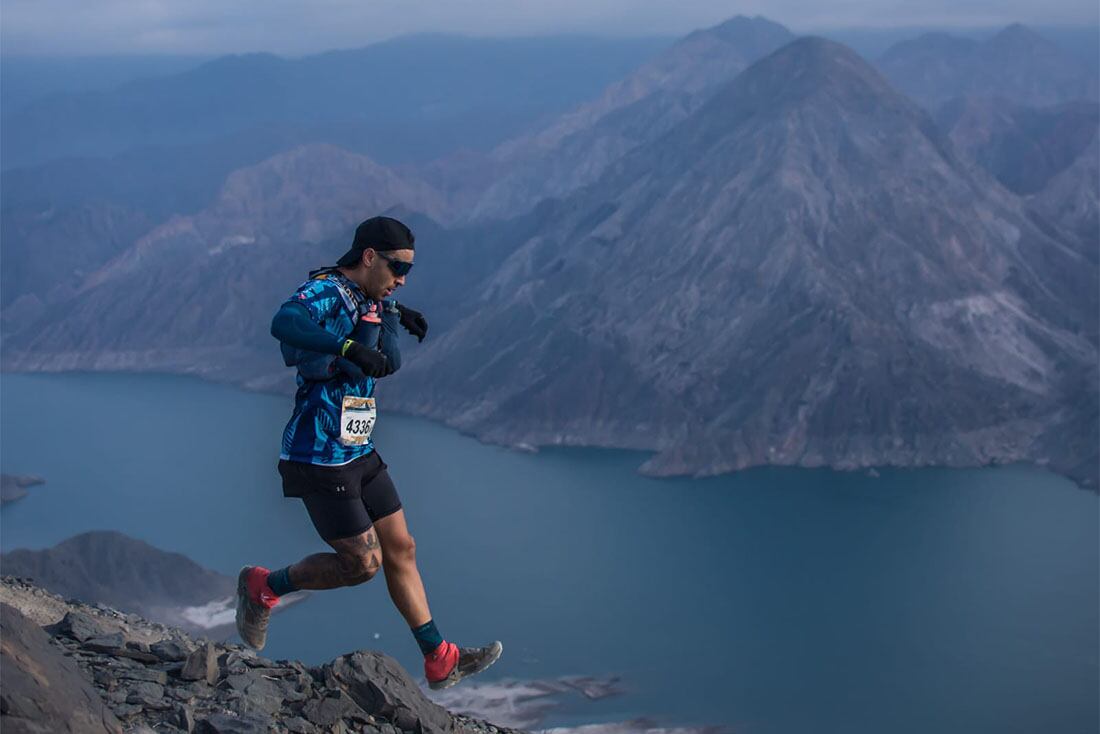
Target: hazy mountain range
[(411, 98), (752, 249), (1017, 64)]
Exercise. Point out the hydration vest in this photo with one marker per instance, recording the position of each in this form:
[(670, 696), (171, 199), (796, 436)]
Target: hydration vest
[(367, 331)]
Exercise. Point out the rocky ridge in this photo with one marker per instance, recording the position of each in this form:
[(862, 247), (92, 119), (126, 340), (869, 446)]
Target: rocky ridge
[(149, 677)]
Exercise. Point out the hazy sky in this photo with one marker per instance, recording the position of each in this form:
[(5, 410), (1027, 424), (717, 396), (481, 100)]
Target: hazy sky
[(78, 27)]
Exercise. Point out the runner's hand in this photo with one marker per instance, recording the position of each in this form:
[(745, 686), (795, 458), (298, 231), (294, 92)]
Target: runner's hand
[(371, 361), (414, 322)]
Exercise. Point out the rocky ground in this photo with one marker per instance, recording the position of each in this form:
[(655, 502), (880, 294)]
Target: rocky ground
[(74, 667)]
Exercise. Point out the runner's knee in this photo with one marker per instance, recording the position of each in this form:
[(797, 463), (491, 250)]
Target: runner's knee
[(401, 550), (360, 568)]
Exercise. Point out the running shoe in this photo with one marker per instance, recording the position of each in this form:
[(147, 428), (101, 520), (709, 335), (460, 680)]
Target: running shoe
[(448, 663), (254, 603)]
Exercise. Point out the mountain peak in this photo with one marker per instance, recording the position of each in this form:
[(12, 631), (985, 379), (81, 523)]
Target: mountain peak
[(742, 26), (818, 48), (812, 67), (1018, 34), (740, 38)]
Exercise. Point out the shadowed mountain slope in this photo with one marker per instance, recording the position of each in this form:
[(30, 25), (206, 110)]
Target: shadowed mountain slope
[(1071, 201), (1023, 147)]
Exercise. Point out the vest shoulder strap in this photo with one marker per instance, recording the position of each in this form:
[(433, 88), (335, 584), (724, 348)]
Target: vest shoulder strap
[(353, 297)]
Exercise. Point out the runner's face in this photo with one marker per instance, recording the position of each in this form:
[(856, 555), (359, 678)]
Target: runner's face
[(381, 280)]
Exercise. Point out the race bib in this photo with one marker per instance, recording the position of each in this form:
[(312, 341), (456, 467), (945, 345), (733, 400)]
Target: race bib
[(356, 420)]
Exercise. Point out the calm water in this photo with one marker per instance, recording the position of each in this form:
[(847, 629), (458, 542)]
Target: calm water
[(774, 601)]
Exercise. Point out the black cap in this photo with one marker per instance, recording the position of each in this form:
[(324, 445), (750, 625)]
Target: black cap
[(378, 233)]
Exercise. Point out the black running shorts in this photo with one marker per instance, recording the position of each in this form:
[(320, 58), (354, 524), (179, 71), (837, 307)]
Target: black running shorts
[(342, 501)]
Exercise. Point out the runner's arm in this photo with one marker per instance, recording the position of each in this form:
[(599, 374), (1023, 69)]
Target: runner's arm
[(292, 325)]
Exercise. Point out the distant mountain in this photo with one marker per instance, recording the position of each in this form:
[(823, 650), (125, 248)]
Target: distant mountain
[(301, 196), (182, 135), (25, 79), (214, 302), (298, 195), (62, 220), (1017, 64), (412, 98), (47, 250), (575, 149), (802, 272), (110, 568), (1023, 147)]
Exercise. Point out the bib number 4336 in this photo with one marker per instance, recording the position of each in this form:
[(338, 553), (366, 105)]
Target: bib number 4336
[(357, 417)]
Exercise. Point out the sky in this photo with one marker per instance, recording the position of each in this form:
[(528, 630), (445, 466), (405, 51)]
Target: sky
[(195, 27)]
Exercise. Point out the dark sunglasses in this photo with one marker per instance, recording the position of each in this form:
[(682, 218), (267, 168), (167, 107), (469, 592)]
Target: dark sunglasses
[(399, 267)]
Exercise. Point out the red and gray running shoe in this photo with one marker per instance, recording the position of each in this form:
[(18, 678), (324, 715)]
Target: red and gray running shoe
[(254, 602), (448, 663)]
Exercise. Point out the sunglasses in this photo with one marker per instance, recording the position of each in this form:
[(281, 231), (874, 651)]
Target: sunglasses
[(399, 267)]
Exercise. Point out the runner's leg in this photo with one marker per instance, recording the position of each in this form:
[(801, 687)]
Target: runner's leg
[(444, 662), (399, 562), (356, 561)]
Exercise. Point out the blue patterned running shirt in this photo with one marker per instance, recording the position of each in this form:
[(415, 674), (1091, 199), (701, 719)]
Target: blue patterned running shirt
[(313, 434)]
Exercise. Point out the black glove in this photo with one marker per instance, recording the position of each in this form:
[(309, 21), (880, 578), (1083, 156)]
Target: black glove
[(371, 361), (414, 322)]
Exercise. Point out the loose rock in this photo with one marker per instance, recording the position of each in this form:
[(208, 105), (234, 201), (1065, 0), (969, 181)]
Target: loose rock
[(202, 664), (79, 627), (325, 712), (298, 725), (147, 695), (185, 718), (144, 674), (229, 724), (169, 651), (39, 685)]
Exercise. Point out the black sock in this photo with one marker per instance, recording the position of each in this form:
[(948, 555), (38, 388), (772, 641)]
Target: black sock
[(427, 636), (279, 582)]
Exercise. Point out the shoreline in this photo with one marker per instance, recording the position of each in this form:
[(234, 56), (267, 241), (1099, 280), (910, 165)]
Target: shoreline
[(272, 385)]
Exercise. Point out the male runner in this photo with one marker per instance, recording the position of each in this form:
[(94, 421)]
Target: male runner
[(328, 458)]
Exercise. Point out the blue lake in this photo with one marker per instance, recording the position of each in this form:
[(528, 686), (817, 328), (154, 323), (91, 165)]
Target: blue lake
[(771, 601)]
